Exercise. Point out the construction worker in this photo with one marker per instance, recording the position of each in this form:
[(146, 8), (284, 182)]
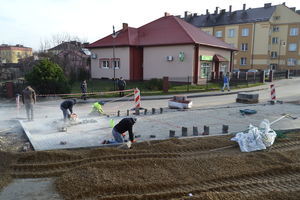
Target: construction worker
[(119, 131), (67, 105), (97, 108), (28, 99)]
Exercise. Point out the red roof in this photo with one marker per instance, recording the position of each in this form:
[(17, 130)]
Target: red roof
[(168, 30)]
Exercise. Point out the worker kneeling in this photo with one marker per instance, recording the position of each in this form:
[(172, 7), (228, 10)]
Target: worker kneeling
[(119, 131), (97, 108)]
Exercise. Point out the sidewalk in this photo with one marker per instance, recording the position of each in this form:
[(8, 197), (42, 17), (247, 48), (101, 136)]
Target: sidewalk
[(189, 95)]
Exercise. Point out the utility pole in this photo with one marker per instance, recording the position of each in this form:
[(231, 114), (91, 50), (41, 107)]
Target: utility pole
[(113, 62)]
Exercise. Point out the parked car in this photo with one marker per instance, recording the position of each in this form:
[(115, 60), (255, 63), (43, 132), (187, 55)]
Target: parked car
[(252, 70)]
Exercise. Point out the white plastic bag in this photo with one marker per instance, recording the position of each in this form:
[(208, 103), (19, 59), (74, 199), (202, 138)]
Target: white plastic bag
[(255, 138), (269, 134)]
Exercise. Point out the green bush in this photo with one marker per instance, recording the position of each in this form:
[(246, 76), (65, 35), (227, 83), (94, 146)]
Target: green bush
[(48, 78), (154, 84)]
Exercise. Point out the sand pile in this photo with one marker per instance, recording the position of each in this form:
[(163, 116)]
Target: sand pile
[(6, 159), (198, 168)]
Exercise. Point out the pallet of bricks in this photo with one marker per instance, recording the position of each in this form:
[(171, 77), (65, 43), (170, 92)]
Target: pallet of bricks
[(247, 98)]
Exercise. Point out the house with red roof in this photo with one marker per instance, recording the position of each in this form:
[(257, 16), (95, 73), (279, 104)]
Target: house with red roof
[(168, 46)]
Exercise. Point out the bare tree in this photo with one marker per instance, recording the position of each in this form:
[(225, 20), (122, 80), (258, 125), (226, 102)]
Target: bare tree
[(58, 39)]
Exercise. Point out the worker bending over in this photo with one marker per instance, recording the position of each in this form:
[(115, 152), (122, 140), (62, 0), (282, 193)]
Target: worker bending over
[(124, 125), (67, 105), (97, 108)]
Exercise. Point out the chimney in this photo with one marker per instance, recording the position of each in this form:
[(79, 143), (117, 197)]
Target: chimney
[(195, 15), (185, 14), (230, 9), (125, 26), (217, 9), (207, 12), (267, 5), (283, 3), (244, 6), (167, 14)]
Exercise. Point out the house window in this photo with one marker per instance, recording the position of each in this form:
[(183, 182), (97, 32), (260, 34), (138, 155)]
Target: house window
[(275, 29), (115, 63), (205, 70), (218, 34), (224, 68), (292, 62), (245, 32), (274, 54), (293, 31), (276, 17), (104, 63), (244, 46), (292, 47), (231, 33), (208, 32), (243, 61), (275, 40)]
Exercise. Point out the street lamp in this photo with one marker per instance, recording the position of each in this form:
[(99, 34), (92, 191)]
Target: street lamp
[(114, 35)]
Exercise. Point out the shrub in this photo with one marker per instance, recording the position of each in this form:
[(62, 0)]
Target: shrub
[(154, 84), (48, 78)]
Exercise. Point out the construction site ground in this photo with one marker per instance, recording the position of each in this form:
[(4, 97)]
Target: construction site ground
[(155, 168)]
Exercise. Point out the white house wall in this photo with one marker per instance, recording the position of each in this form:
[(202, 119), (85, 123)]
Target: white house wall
[(120, 52), (156, 64)]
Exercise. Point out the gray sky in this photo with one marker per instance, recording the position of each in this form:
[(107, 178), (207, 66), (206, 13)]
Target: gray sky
[(28, 22)]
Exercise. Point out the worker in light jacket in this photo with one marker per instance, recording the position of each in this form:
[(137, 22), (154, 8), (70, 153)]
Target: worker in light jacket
[(28, 99)]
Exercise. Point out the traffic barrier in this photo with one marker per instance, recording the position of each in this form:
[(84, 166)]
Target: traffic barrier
[(273, 94), (137, 98)]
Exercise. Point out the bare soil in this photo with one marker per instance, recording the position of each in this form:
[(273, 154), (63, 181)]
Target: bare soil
[(198, 168)]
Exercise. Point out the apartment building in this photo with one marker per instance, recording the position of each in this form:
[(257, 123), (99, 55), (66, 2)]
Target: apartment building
[(267, 37), (12, 54)]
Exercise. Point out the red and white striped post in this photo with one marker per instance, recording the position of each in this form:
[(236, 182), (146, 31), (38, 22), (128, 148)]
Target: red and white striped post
[(273, 94), (137, 98)]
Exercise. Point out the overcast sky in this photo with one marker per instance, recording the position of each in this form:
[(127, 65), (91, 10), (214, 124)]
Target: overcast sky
[(28, 22)]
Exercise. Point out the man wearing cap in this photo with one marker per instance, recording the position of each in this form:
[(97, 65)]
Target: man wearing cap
[(124, 125), (67, 105)]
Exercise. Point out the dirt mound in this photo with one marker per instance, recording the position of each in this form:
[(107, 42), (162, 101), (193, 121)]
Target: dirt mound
[(198, 168), (6, 159)]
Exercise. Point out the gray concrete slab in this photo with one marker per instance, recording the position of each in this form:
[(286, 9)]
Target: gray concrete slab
[(44, 135)]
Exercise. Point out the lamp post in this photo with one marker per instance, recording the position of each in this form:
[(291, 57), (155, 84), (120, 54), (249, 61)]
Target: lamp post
[(114, 35)]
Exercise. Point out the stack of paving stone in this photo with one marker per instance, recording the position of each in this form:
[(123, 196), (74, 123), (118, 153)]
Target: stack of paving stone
[(247, 98)]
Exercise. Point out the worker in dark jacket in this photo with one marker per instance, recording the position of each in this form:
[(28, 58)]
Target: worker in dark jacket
[(124, 125), (67, 105)]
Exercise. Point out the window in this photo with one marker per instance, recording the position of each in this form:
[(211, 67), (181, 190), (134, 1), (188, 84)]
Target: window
[(244, 46), (293, 31), (205, 70), (243, 61), (292, 61), (231, 33), (104, 63), (115, 63), (218, 34), (276, 17), (224, 68), (292, 47), (274, 54), (275, 40), (208, 32), (245, 32), (275, 29)]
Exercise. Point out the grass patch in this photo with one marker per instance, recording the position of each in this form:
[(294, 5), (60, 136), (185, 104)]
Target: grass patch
[(147, 90)]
